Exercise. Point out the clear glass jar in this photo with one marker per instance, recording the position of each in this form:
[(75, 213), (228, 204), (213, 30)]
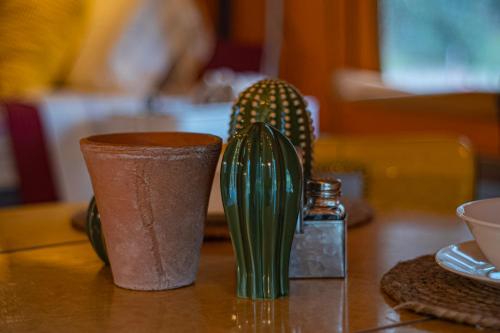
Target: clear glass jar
[(323, 200), (319, 246)]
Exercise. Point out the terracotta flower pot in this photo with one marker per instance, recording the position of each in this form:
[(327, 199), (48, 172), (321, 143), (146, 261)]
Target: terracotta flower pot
[(152, 191)]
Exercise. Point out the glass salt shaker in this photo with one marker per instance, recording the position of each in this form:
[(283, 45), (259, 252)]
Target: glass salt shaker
[(319, 245)]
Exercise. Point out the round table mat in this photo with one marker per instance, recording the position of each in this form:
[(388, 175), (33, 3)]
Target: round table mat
[(360, 212), (422, 286), (79, 220)]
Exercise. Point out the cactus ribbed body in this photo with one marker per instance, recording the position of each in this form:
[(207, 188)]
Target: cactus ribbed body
[(282, 106), (261, 185)]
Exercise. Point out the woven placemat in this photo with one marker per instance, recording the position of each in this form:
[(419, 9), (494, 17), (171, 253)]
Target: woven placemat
[(424, 287)]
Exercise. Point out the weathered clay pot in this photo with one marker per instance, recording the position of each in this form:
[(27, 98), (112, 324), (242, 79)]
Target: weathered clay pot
[(152, 191)]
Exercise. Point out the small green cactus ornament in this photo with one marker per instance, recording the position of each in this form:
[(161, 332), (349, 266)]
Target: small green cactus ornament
[(280, 105), (261, 186), (94, 231)]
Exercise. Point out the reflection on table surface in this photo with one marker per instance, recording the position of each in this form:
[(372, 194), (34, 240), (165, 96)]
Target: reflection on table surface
[(56, 286)]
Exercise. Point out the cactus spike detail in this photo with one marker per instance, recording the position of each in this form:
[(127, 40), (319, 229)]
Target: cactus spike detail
[(280, 105)]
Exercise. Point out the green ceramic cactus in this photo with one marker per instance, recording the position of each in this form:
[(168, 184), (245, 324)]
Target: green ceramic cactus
[(94, 232), (261, 185), (281, 105)]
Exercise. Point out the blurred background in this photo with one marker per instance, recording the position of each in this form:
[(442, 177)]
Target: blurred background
[(400, 90)]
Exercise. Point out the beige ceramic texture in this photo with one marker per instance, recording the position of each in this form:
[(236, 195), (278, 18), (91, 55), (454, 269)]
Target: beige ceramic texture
[(152, 190), (483, 221)]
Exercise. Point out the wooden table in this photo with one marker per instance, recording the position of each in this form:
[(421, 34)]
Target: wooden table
[(50, 280)]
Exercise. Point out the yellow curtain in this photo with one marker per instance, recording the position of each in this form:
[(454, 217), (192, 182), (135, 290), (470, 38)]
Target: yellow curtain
[(38, 40)]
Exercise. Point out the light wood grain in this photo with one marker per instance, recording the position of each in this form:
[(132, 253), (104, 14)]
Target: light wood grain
[(66, 288), (38, 225)]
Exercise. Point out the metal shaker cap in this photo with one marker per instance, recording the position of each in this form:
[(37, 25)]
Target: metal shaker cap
[(324, 187)]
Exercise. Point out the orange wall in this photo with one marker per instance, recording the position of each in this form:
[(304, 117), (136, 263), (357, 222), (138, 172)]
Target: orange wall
[(308, 54), (323, 36), (247, 18), (364, 119), (248, 21), (305, 62)]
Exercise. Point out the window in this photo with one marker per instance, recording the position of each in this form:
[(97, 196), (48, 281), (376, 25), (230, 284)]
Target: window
[(430, 46)]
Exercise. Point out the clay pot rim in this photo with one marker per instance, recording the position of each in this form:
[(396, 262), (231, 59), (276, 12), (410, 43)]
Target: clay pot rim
[(152, 141)]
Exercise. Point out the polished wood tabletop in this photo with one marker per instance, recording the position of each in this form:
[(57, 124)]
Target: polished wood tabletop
[(51, 281)]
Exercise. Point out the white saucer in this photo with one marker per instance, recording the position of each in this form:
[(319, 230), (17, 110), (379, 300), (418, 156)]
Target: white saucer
[(466, 259)]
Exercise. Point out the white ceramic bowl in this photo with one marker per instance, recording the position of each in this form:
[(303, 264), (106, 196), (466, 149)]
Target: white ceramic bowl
[(483, 219)]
